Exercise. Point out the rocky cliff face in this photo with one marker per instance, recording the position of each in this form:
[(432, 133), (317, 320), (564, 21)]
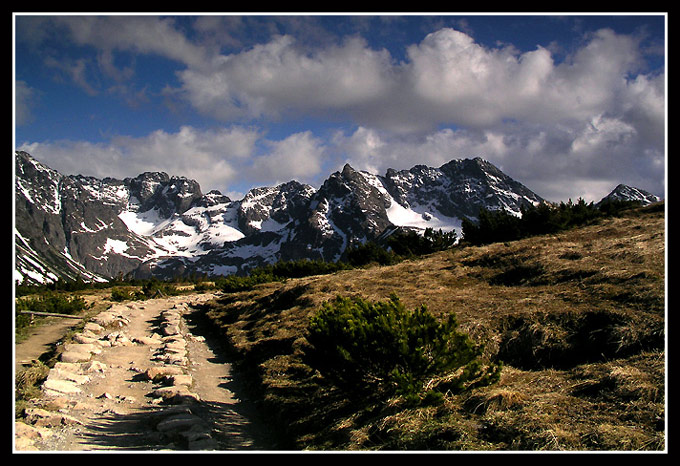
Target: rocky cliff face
[(158, 225), (67, 229)]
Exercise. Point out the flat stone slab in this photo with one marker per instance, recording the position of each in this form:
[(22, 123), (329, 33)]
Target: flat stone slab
[(93, 328), (84, 347), (175, 394), (149, 341), (178, 422), (70, 376), (85, 338), (65, 387), (75, 356)]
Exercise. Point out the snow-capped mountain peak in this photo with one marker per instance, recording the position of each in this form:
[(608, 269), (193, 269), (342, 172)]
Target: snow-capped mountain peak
[(160, 225), (624, 192)]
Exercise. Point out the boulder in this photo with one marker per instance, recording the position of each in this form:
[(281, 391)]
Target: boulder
[(175, 348), (110, 320), (177, 343), (181, 379), (72, 367), (119, 339), (170, 329), (43, 418), (21, 429), (172, 359), (26, 435), (93, 367), (203, 444), (160, 372)]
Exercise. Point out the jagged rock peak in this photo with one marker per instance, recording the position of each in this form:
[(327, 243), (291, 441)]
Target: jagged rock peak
[(623, 192), (160, 225), (347, 169)]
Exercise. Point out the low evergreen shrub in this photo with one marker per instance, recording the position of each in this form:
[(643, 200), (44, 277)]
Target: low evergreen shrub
[(383, 348), (235, 283), (303, 268), (155, 287), (54, 303), (370, 252), (120, 294), (51, 302), (413, 244), (499, 225)]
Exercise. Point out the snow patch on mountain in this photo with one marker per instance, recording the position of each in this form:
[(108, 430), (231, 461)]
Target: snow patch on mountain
[(419, 217), (144, 223), (158, 225), (411, 218)]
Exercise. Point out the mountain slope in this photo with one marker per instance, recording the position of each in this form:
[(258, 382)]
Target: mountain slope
[(581, 339), (354, 206), (160, 225)]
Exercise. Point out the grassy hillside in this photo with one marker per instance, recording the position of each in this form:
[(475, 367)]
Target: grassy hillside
[(577, 318)]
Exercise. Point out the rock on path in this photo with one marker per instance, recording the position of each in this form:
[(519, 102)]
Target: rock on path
[(130, 381)]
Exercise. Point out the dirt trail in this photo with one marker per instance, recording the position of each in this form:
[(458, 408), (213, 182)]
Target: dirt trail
[(41, 340), (141, 378)]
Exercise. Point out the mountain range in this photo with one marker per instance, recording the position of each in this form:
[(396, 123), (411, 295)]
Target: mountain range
[(156, 225)]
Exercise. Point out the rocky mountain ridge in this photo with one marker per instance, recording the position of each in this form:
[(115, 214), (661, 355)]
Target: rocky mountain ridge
[(163, 226), (624, 192)]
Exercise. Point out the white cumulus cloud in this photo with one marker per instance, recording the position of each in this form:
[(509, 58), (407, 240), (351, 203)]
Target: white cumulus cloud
[(215, 158), (563, 126)]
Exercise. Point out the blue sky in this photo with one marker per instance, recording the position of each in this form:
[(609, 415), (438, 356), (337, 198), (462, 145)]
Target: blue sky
[(570, 105)]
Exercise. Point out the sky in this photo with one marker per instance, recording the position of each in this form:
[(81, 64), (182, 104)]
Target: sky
[(570, 105)]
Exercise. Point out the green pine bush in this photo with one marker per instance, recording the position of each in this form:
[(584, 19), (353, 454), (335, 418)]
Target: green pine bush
[(52, 302), (383, 348), (56, 303), (120, 294), (359, 255), (499, 225), (411, 243)]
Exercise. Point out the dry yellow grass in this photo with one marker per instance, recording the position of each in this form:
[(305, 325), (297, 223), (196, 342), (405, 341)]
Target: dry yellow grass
[(578, 319)]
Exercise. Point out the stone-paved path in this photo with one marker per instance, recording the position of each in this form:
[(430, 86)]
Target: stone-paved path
[(137, 378)]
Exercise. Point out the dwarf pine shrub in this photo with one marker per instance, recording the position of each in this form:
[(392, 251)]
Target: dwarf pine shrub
[(411, 243), (51, 302), (382, 347), (500, 225), (359, 255)]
